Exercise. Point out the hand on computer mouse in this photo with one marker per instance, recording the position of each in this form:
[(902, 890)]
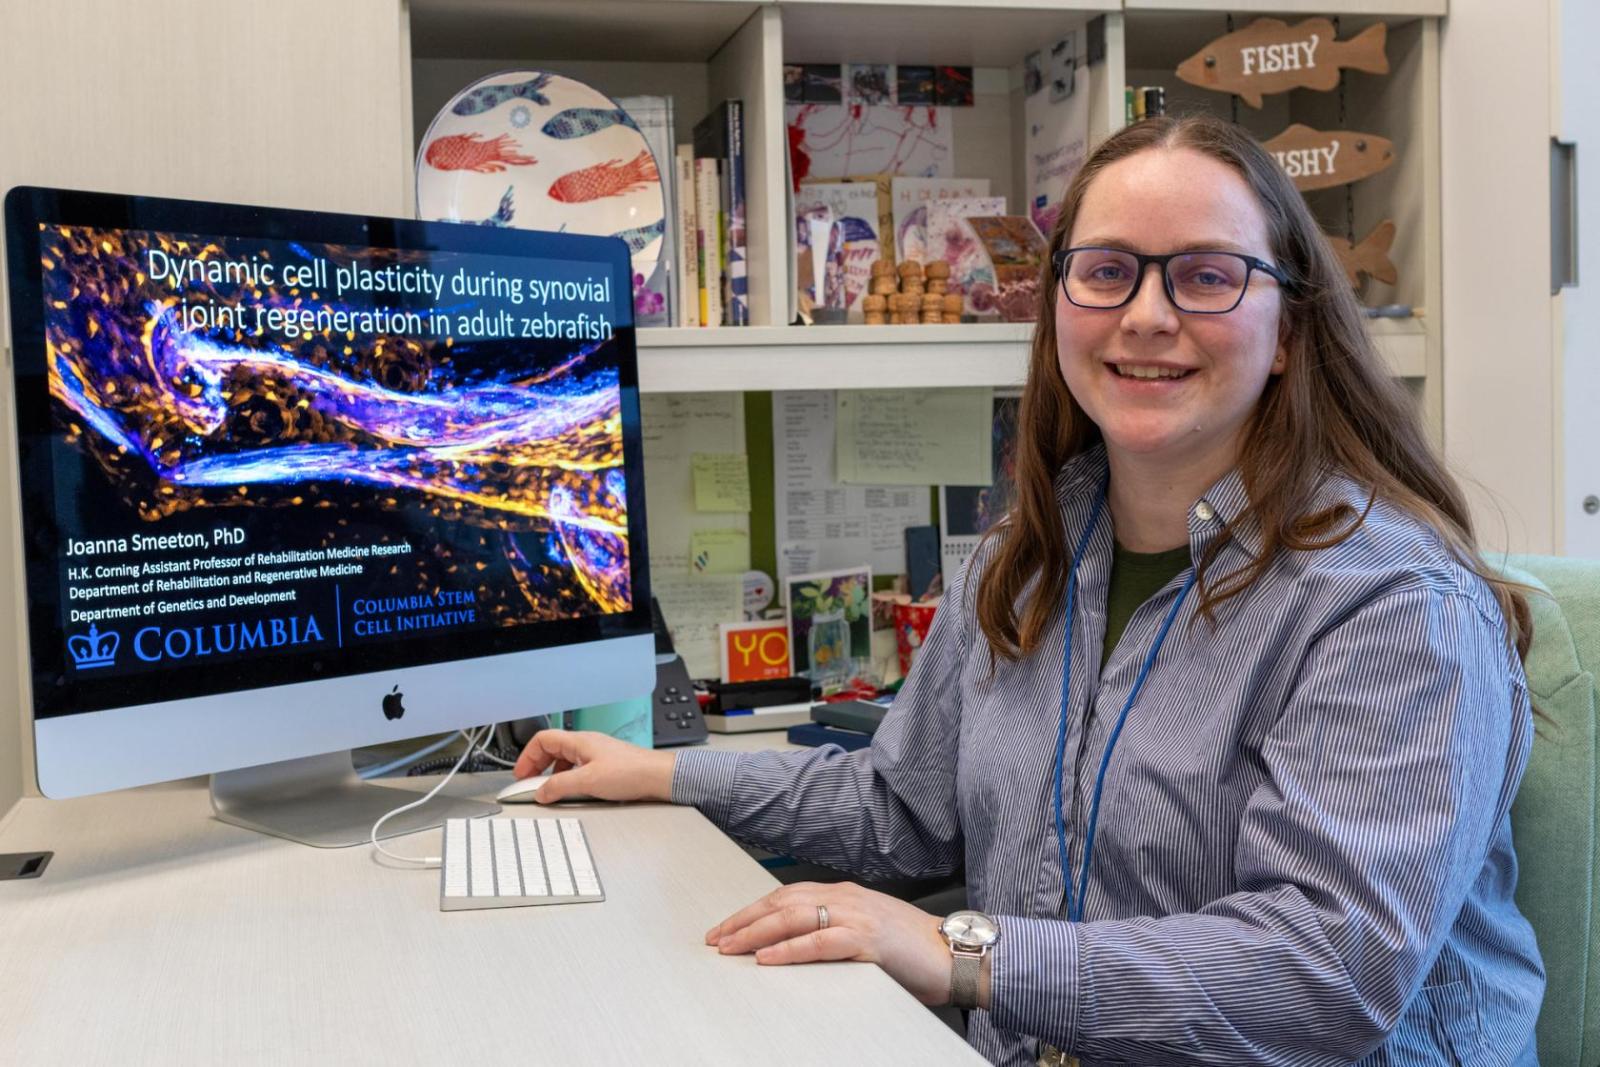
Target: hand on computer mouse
[(594, 765)]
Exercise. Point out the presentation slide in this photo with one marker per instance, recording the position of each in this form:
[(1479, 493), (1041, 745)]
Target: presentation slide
[(264, 446)]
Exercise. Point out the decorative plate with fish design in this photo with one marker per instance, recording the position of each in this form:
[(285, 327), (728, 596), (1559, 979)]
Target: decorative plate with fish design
[(540, 151)]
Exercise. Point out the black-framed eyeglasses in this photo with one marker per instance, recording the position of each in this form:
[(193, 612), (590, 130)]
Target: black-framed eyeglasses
[(1197, 283)]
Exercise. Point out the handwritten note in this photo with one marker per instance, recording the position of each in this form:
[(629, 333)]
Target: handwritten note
[(676, 427), (695, 607), (719, 551), (721, 481), (914, 436)]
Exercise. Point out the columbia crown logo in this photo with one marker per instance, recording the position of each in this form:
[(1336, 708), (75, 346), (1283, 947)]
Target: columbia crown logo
[(94, 649)]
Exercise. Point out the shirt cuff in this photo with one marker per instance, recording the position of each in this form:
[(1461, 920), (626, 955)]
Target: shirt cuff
[(704, 778), (1033, 979)]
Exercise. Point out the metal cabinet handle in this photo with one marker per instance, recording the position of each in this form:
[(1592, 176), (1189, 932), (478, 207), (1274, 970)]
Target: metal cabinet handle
[(1563, 215)]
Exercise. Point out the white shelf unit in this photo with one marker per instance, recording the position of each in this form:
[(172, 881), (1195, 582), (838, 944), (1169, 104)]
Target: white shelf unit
[(700, 51)]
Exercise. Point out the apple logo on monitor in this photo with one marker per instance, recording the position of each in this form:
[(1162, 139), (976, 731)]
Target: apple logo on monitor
[(393, 704)]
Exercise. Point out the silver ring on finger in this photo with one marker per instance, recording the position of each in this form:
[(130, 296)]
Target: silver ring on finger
[(822, 916)]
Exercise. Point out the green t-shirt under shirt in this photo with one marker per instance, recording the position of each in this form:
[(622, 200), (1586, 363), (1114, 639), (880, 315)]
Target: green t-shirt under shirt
[(1135, 578)]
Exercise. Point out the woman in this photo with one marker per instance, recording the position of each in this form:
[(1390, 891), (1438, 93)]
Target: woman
[(1250, 804)]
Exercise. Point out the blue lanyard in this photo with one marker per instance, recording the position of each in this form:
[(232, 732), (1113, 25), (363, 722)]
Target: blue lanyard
[(1075, 907)]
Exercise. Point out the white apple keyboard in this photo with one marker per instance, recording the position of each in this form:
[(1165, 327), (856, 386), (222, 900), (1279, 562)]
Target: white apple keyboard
[(507, 863)]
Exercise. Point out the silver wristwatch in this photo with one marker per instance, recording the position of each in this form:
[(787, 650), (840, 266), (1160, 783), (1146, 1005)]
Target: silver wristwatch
[(970, 935)]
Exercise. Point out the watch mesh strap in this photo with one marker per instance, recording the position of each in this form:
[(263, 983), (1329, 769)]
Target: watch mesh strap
[(964, 973)]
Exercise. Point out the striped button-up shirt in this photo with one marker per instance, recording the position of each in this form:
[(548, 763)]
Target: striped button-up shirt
[(1303, 854)]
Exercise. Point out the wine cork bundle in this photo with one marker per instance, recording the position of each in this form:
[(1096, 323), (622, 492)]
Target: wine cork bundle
[(918, 294)]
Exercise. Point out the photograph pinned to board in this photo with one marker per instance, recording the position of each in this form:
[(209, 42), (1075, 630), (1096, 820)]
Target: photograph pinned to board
[(967, 511), (830, 624)]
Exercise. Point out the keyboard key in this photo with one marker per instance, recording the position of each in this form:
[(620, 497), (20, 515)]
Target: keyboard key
[(533, 879), (508, 881)]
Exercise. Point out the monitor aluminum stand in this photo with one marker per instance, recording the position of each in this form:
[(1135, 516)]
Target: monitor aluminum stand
[(321, 801)]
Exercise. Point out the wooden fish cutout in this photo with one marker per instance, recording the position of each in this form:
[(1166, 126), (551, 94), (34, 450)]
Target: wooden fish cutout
[(1315, 159), (1370, 256), (1269, 56)]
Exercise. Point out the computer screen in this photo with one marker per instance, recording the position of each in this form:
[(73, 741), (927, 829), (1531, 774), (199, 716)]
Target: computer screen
[(294, 482)]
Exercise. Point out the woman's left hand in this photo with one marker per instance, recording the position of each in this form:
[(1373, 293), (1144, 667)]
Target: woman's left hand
[(785, 927)]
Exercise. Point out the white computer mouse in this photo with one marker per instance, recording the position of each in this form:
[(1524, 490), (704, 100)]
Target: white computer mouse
[(521, 791)]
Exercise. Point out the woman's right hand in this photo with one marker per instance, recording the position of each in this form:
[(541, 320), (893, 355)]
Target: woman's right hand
[(595, 765)]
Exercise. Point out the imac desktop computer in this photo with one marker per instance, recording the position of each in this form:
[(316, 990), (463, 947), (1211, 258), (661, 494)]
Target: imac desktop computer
[(295, 482)]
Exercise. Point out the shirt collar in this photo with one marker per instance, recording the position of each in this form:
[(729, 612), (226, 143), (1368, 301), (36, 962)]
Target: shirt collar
[(1221, 507)]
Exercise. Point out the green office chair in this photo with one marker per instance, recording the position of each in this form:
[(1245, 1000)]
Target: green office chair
[(1556, 816)]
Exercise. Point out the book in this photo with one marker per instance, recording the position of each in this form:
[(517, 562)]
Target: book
[(720, 136), (688, 255), (655, 298), (813, 734), (707, 202), (775, 717)]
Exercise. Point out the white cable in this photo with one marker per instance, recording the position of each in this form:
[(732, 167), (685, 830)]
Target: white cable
[(486, 754), (394, 765), (427, 861)]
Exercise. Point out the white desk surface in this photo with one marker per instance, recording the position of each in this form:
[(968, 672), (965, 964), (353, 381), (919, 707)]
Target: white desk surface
[(160, 935)]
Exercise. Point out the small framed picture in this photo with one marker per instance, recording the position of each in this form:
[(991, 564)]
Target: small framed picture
[(952, 86), (830, 624), (823, 83), (794, 83), (915, 85), (869, 83)]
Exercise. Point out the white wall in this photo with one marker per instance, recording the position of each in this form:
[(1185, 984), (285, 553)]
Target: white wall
[(302, 103), (1501, 402)]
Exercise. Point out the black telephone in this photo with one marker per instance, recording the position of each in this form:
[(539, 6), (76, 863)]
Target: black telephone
[(675, 713)]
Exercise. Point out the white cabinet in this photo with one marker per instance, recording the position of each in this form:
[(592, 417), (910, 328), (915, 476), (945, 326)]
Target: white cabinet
[(1577, 313)]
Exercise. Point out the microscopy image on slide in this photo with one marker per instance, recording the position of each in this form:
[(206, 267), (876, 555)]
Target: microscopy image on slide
[(315, 397)]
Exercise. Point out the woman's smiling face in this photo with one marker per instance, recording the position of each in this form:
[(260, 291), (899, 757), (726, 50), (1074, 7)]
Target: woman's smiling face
[(1159, 201)]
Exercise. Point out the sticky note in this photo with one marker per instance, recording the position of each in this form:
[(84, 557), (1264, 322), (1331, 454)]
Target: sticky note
[(721, 481), (719, 551)]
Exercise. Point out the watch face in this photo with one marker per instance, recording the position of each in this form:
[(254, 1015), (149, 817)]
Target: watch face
[(971, 929)]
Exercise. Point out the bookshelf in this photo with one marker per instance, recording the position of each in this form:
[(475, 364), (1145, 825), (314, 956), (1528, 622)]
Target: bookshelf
[(700, 51)]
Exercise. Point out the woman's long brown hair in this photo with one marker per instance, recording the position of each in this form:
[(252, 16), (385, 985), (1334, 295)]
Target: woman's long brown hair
[(1335, 408)]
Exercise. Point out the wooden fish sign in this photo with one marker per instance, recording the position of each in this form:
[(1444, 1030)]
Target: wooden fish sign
[(1270, 56), (1370, 256), (1321, 160)]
